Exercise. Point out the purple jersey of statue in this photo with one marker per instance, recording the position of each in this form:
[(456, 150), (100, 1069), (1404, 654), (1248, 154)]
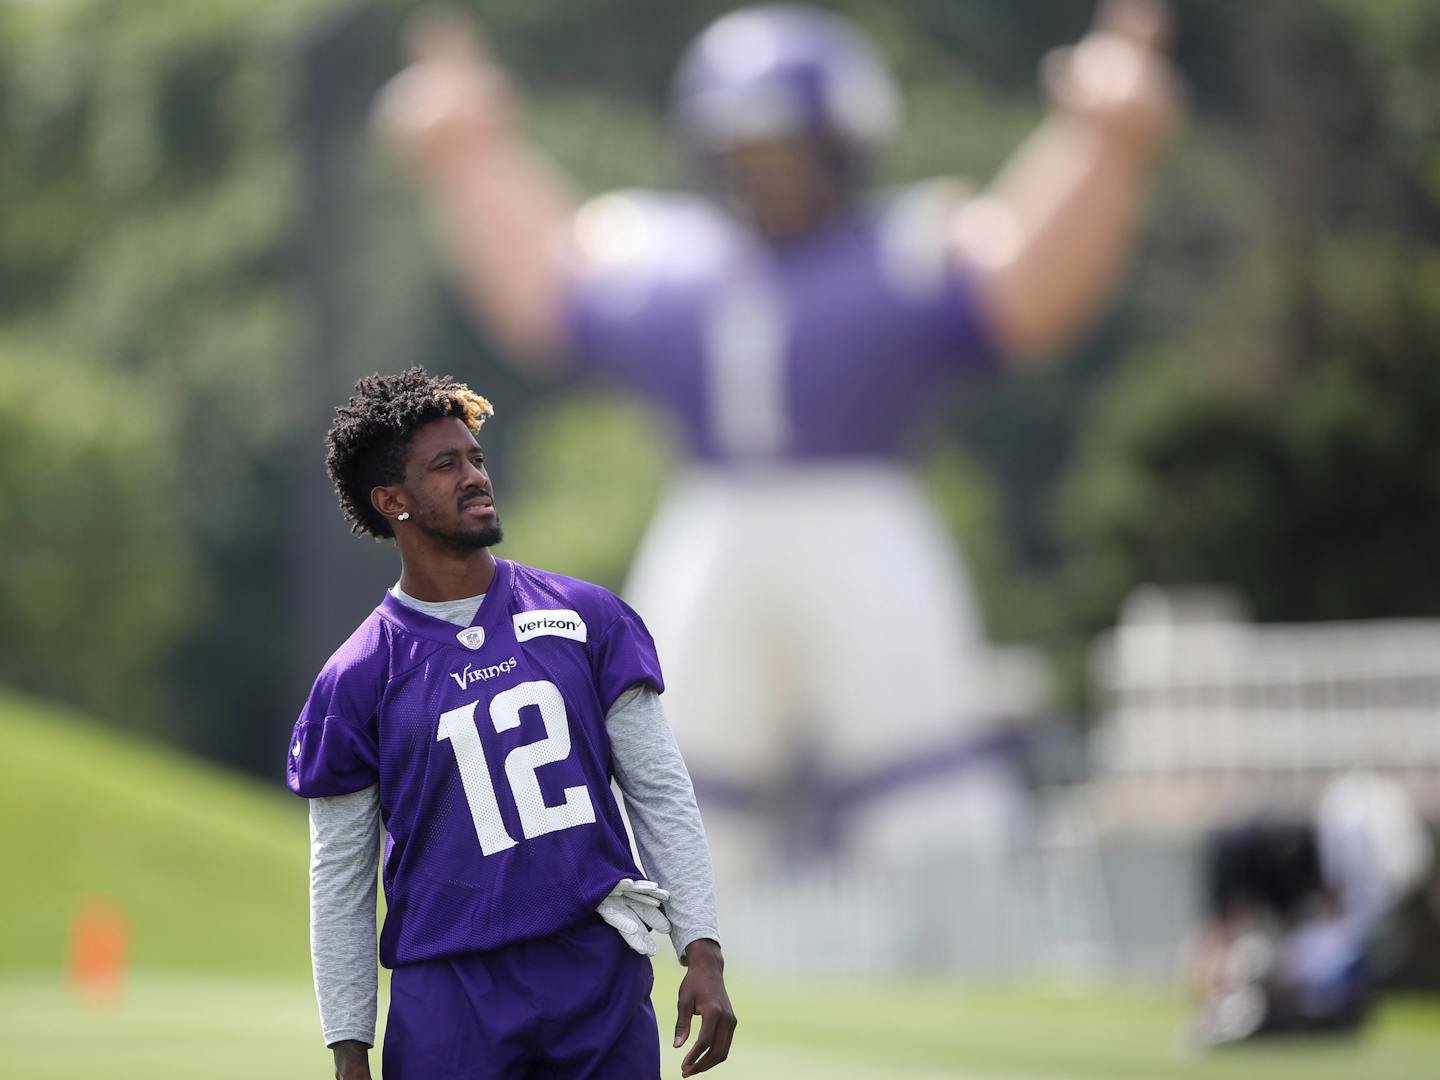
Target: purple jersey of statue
[(827, 347), (490, 749)]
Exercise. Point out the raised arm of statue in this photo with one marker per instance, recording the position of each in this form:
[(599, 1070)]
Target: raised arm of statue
[(503, 210), (1056, 228)]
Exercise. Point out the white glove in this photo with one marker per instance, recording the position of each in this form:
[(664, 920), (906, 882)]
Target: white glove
[(633, 909)]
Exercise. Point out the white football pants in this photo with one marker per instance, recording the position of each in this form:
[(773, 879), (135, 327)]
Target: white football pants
[(815, 626)]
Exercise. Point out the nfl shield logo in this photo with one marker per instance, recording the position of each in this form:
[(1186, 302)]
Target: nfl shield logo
[(472, 637)]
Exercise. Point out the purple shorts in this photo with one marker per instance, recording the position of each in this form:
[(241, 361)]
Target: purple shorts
[(574, 1006)]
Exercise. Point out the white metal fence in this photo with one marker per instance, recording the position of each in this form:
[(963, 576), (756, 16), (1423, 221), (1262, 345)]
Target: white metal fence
[(1041, 909), (1188, 690)]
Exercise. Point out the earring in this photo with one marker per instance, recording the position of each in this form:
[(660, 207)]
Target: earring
[(404, 515)]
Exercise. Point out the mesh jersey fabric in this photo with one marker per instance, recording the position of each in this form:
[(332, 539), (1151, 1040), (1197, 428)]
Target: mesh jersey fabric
[(493, 761), (836, 345)]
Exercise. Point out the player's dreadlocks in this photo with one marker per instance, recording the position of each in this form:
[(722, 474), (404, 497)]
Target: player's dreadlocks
[(365, 446)]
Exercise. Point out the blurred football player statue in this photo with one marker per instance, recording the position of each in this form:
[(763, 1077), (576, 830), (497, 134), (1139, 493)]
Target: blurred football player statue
[(821, 636)]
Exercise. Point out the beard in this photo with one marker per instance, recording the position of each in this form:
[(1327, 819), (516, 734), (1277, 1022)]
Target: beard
[(462, 538)]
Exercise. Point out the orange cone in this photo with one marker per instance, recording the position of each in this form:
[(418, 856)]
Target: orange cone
[(100, 942)]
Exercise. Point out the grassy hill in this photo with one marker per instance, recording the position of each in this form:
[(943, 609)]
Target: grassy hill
[(208, 868)]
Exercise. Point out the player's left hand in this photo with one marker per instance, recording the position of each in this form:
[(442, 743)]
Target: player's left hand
[(633, 909), (702, 994)]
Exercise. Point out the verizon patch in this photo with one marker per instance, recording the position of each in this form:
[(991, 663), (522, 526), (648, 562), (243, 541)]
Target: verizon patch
[(561, 622)]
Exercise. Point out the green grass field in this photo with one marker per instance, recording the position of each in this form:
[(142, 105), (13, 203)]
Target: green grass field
[(211, 872), (181, 1026)]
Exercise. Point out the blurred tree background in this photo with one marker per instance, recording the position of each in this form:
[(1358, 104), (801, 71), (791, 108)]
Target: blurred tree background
[(1261, 406)]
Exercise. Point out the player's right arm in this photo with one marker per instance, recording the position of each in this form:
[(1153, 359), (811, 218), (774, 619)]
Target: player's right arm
[(344, 863), (352, 1061), (333, 762), (505, 211)]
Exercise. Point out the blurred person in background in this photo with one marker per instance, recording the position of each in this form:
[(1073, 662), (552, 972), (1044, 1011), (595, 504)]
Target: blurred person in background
[(826, 653), (1295, 909)]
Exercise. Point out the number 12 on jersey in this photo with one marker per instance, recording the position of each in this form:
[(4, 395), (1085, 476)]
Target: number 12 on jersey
[(536, 819)]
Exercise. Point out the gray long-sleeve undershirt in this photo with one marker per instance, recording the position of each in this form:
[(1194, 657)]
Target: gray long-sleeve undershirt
[(345, 852)]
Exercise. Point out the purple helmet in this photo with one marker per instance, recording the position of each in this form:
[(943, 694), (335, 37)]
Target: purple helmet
[(784, 70)]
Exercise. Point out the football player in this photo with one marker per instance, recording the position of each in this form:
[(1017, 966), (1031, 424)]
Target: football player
[(807, 600), (478, 717)]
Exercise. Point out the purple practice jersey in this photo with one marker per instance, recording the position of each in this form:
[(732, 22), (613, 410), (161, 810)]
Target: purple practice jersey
[(830, 346), (490, 749)]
